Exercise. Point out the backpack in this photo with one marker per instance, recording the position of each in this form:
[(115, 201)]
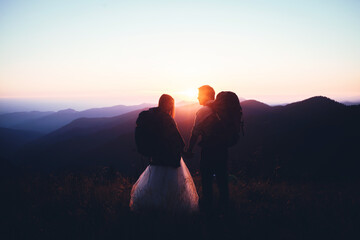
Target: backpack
[(226, 121), (147, 130)]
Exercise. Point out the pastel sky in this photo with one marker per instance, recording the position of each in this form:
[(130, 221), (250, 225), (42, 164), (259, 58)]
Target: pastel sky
[(129, 52)]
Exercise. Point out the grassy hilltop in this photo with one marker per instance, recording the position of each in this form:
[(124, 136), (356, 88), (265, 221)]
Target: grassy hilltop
[(95, 206)]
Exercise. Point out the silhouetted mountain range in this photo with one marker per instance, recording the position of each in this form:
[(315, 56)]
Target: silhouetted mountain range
[(317, 137), (314, 137), (47, 122), (348, 103), (9, 120)]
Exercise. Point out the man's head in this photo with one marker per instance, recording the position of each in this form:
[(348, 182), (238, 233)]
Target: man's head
[(167, 104), (206, 93)]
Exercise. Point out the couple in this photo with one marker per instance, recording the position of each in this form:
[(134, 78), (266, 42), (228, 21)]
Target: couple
[(166, 183)]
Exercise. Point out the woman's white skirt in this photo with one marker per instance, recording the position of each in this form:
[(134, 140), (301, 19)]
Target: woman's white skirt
[(165, 188)]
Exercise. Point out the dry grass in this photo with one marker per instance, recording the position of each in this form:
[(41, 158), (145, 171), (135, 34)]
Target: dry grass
[(94, 206)]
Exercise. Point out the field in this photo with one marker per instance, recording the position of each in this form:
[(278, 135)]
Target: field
[(94, 205)]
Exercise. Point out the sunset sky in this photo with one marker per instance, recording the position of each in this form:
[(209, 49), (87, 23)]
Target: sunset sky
[(87, 53)]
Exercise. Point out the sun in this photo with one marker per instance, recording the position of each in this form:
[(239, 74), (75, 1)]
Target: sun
[(190, 94)]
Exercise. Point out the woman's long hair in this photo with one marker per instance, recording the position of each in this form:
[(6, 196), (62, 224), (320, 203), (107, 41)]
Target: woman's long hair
[(167, 104)]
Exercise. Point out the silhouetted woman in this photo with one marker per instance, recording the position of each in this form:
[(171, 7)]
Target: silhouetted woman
[(166, 183)]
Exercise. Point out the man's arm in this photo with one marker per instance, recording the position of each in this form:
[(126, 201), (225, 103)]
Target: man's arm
[(200, 117)]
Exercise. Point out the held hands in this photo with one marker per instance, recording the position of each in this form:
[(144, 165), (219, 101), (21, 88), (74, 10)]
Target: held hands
[(187, 153)]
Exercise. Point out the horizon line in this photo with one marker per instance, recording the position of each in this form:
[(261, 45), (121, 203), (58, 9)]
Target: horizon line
[(180, 103)]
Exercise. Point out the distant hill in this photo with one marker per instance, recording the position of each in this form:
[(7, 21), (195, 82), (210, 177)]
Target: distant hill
[(348, 103), (47, 122), (314, 137), (253, 107), (317, 137), (94, 141), (11, 140), (9, 120)]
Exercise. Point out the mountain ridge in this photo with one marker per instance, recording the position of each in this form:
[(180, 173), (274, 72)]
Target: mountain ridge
[(49, 121), (300, 139)]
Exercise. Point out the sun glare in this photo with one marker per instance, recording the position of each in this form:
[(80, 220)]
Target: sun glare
[(190, 94)]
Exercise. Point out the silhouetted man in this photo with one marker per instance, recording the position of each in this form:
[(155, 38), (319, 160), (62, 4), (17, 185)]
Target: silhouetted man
[(213, 155)]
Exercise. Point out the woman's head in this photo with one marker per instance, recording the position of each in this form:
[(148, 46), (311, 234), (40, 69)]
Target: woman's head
[(167, 104)]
